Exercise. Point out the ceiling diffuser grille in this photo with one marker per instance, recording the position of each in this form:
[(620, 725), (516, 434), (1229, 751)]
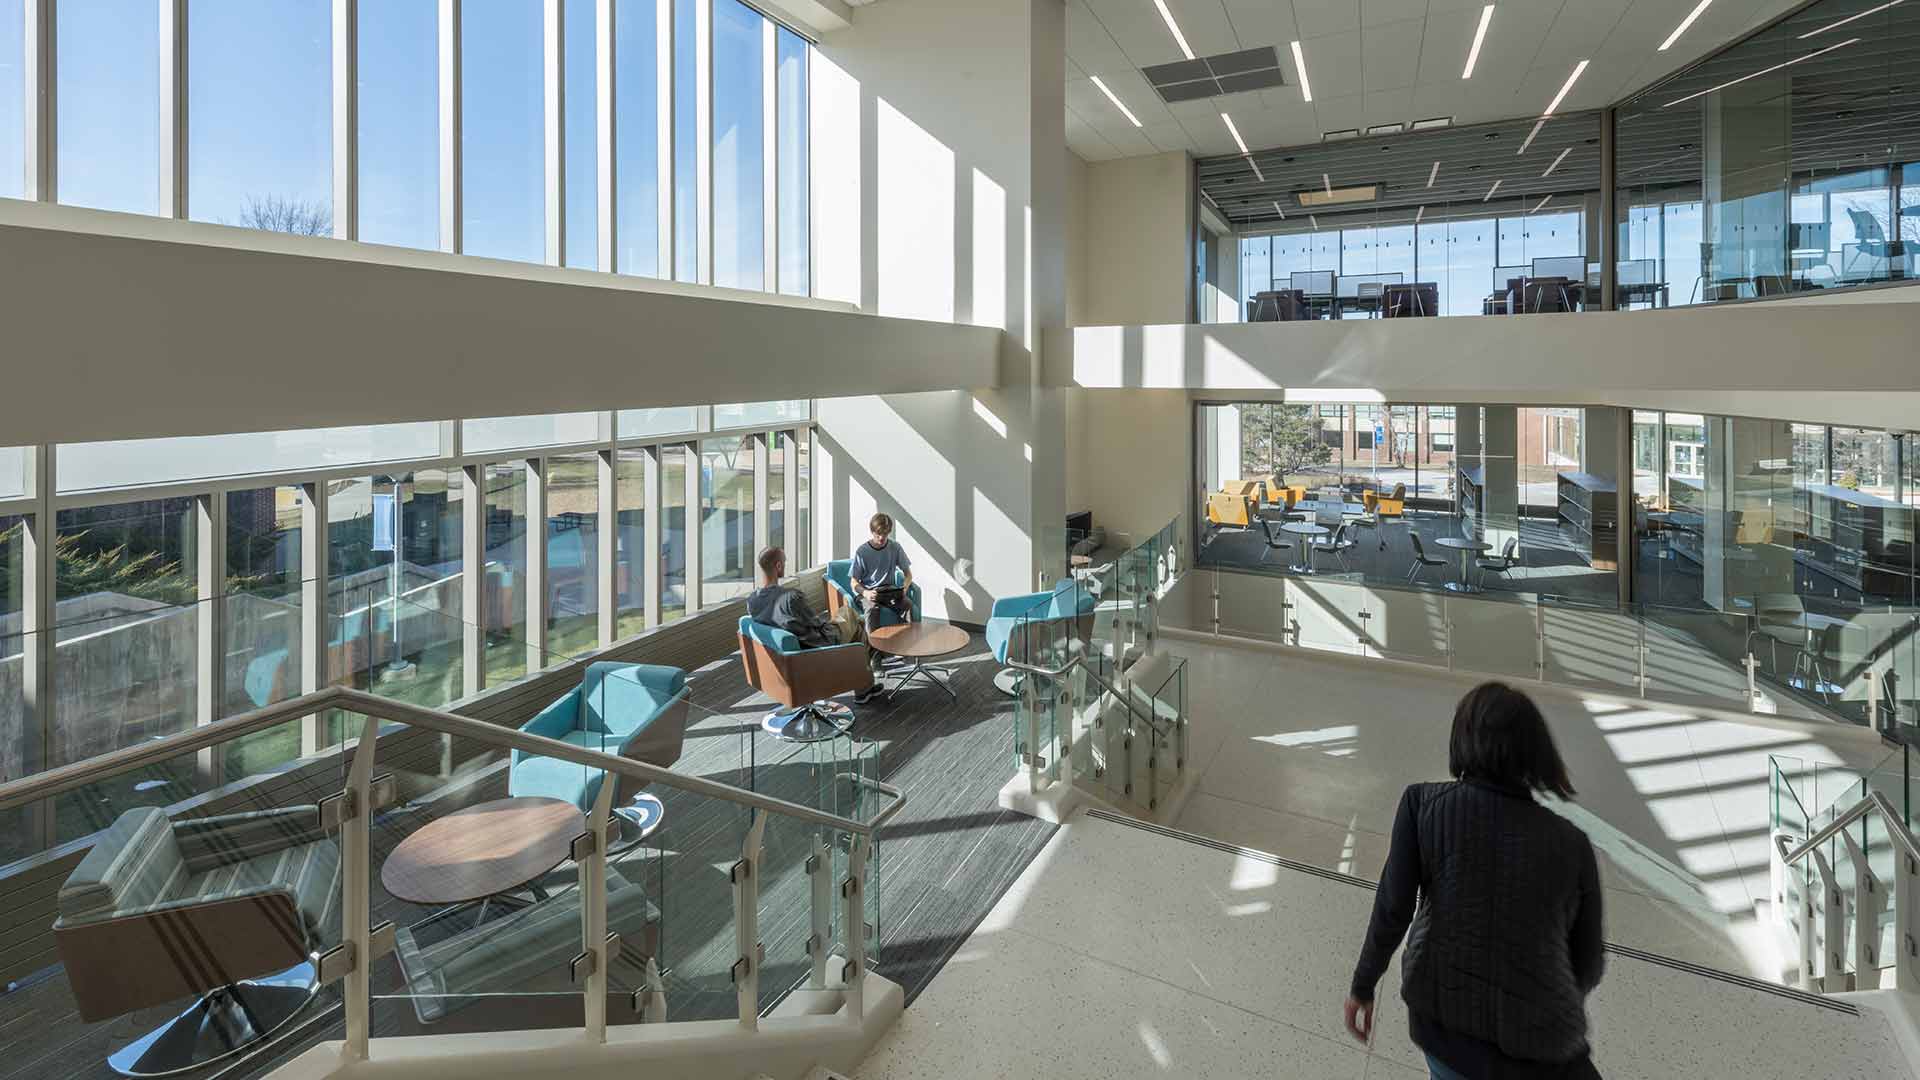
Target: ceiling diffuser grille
[(1212, 76)]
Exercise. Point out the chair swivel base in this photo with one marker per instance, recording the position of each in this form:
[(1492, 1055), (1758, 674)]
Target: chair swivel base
[(1009, 680), (227, 1021), (817, 722)]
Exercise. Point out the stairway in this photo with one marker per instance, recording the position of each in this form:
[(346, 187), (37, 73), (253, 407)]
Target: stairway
[(1131, 950)]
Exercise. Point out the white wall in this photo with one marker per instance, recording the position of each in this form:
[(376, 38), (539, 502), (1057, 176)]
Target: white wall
[(940, 183), (120, 326), (1847, 364), (1137, 267), (1137, 458)]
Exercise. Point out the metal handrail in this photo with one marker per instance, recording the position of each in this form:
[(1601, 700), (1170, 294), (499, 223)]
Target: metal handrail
[(81, 773), (1873, 801), (1081, 663)]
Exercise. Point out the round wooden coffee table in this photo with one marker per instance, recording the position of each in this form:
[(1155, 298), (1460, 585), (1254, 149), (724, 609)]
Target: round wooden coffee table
[(485, 850), (920, 642)]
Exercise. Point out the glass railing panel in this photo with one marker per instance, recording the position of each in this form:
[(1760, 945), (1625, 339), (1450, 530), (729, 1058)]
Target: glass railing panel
[(250, 874), (1697, 653), (473, 864), (803, 872), (1592, 647), (1254, 606), (1168, 703), (1875, 906), (1407, 624), (1328, 615), (1495, 637)]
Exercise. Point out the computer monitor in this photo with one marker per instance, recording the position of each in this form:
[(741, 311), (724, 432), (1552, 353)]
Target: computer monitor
[(1313, 282), (1349, 284), (1636, 272), (1571, 267)]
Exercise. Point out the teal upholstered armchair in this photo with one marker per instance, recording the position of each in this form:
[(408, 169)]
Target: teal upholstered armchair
[(234, 908), (1020, 625), (840, 592), (637, 711), (801, 680)]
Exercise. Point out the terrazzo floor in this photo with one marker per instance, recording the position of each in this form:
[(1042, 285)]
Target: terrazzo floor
[(1124, 953)]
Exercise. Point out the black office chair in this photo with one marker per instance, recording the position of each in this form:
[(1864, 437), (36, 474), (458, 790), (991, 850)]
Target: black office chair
[(1421, 560), (1505, 561), (1368, 297), (1337, 545), (1274, 543)]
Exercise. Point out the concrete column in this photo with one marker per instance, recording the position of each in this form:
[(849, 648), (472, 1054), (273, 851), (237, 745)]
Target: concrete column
[(1466, 446), (1500, 443)]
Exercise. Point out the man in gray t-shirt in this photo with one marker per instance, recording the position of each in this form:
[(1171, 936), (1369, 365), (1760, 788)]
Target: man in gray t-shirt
[(873, 575)]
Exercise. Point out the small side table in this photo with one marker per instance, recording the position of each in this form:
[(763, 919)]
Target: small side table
[(919, 642), (1310, 532), (1467, 549)]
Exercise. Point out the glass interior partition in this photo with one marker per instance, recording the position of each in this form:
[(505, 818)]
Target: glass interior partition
[(1488, 219), (1781, 164)]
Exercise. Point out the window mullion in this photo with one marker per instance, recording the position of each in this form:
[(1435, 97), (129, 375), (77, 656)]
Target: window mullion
[(554, 53), (451, 239), (607, 232), (173, 108), (40, 179), (346, 119), (703, 140), (40, 567), (536, 569), (769, 157)]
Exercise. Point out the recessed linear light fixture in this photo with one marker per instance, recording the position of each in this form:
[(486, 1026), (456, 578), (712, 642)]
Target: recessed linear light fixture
[(1314, 221), (1257, 174), (1326, 182), (1179, 38), (1541, 203), (1343, 133), (1565, 88), (1124, 111), (1386, 129), (1434, 175), (1334, 196), (1556, 162), (1300, 67), (1435, 122), (1528, 141), (1848, 19), (1278, 210), (1480, 35), (1235, 132), (1491, 190), (1686, 22), (1762, 71), (1418, 214)]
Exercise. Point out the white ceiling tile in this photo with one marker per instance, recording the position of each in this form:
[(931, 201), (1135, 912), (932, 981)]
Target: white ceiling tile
[(1333, 64), (1444, 47), (1387, 107), (1390, 54), (1317, 17), (1262, 22), (1375, 12), (1130, 142), (1335, 114), (1168, 136)]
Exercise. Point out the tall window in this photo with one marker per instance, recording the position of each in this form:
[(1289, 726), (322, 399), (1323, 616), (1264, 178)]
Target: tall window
[(502, 142), (636, 114), (582, 136), (726, 518), (399, 123), (126, 624), (13, 99), (395, 615), (573, 555), (739, 146), (686, 140), (109, 102), (796, 264), (504, 591), (15, 842), (630, 544), (673, 532), (260, 94)]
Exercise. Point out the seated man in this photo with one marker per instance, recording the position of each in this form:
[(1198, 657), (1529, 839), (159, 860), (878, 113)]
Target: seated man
[(783, 607), (872, 576)]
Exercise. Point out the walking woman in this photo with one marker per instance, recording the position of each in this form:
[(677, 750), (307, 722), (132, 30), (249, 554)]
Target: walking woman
[(1503, 896)]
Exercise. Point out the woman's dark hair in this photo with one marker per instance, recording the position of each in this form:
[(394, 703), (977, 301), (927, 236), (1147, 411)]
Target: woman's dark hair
[(1499, 736)]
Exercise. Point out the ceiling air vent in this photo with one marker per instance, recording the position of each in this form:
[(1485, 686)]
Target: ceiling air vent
[(1212, 76)]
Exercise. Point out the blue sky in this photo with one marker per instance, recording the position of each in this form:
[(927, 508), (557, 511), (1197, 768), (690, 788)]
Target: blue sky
[(260, 122)]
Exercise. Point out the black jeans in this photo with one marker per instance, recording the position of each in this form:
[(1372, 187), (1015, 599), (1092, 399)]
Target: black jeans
[(895, 602)]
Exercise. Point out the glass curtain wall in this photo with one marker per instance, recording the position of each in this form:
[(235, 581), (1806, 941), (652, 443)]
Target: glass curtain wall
[(259, 151), (1529, 476), (1788, 162)]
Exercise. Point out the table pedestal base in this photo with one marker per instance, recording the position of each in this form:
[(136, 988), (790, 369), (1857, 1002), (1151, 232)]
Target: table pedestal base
[(925, 673), (817, 722)]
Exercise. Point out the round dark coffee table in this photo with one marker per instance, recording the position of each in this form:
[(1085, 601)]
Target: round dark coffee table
[(482, 851), (920, 642)]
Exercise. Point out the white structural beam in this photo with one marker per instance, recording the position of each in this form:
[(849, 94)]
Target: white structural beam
[(173, 108), (346, 119), (187, 304)]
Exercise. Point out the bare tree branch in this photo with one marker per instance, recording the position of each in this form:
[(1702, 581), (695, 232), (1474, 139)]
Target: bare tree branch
[(296, 216)]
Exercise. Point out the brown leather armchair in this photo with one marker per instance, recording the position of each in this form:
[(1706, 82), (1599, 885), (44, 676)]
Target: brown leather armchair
[(802, 680)]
